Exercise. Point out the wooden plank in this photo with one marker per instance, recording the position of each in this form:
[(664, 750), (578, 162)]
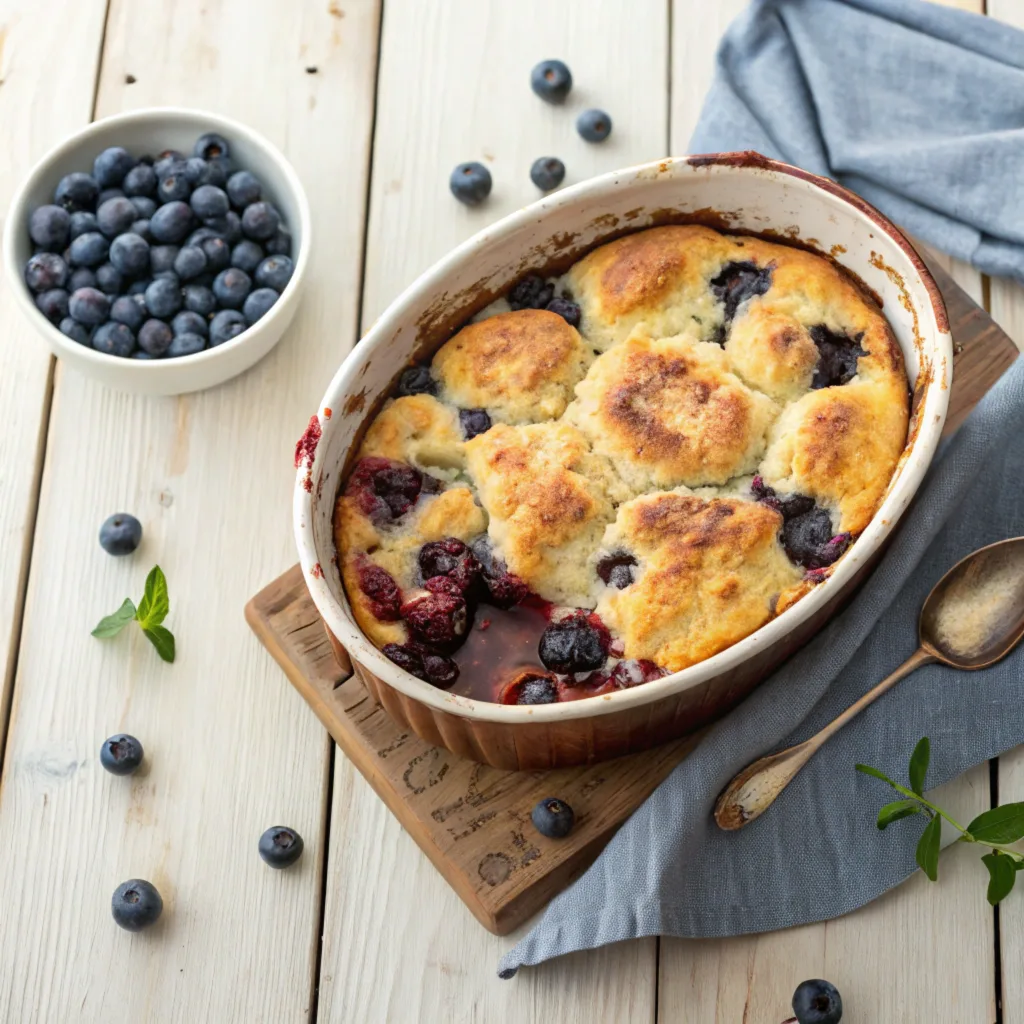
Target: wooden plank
[(230, 751), (454, 85), (36, 112)]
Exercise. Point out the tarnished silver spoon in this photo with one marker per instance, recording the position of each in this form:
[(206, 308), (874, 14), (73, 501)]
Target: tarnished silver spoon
[(973, 617)]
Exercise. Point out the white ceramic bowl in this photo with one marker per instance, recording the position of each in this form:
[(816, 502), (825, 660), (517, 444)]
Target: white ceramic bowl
[(151, 130), (738, 191)]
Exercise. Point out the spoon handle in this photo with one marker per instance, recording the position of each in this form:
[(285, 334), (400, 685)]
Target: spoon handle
[(755, 788)]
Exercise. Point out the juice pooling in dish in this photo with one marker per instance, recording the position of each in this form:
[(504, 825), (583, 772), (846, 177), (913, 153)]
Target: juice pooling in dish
[(616, 474)]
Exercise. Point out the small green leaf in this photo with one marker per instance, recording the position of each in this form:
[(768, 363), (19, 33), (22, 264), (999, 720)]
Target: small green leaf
[(894, 811), (1000, 825), (874, 772), (111, 625), (1002, 875), (155, 603), (928, 849), (919, 765), (163, 640)]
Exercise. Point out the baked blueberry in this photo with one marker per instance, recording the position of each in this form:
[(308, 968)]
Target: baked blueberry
[(80, 222), (199, 299), (553, 818), (532, 292), (243, 189), (125, 309), (275, 272), (572, 645), (547, 172), (450, 558), (121, 754), (163, 296), (568, 310), (144, 206), (436, 669), (190, 262), (187, 344), (384, 594), (470, 183), (258, 303), (136, 904), (162, 258), (89, 306), (837, 357), (231, 287), (76, 191), (260, 220), (173, 184), (280, 846), (130, 254), (211, 146), (53, 304), (209, 201), (155, 337), (226, 325), (140, 181), (617, 569), (817, 1002), (594, 125), (111, 166), (217, 253), (530, 687), (247, 255), (115, 216), (384, 489), (114, 339), (44, 271), (809, 539), (49, 227), (737, 282), (551, 80), (171, 222), (88, 250), (473, 422), (440, 617)]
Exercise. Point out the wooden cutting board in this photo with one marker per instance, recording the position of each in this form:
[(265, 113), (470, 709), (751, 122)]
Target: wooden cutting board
[(471, 820)]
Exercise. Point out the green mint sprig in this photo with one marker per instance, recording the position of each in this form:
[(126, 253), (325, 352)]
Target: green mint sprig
[(995, 828), (150, 614)]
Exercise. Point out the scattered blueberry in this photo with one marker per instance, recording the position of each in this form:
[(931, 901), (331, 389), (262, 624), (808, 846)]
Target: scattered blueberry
[(121, 754), (217, 252), (260, 220), (225, 325), (126, 310), (155, 337), (186, 344), (416, 380), (89, 306), (199, 299), (44, 271), (75, 331), (547, 172), (162, 258), (76, 191), (473, 422), (163, 297), (49, 227), (140, 181), (275, 272), (470, 183), (136, 904), (89, 250), (111, 166), (247, 255), (109, 193), (144, 206), (113, 338), (243, 189), (190, 262), (210, 146), (258, 304), (553, 818), (532, 292), (817, 1002), (171, 222), (594, 125), (173, 184), (209, 201), (80, 222), (568, 310), (130, 254), (83, 277), (280, 846), (116, 216), (187, 322), (551, 80)]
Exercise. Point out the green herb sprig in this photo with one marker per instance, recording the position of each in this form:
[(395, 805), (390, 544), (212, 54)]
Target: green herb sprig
[(995, 828), (150, 614)]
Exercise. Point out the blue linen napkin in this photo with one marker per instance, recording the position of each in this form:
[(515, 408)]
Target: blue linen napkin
[(920, 110)]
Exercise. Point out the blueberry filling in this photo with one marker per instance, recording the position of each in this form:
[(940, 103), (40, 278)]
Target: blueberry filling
[(806, 529), (449, 558), (504, 589), (439, 617), (568, 310), (533, 292), (385, 490), (837, 357), (473, 422), (384, 593), (423, 664), (738, 282), (531, 686), (416, 380), (616, 569), (572, 645)]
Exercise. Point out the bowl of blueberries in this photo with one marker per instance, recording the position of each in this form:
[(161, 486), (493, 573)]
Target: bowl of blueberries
[(160, 251)]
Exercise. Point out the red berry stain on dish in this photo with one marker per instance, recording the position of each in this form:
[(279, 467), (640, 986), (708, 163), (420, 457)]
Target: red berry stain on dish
[(305, 450), (327, 412), (316, 572)]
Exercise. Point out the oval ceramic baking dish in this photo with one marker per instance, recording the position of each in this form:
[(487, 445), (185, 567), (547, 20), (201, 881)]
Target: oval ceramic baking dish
[(733, 191)]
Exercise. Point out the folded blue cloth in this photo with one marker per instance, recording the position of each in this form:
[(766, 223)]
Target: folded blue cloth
[(920, 110)]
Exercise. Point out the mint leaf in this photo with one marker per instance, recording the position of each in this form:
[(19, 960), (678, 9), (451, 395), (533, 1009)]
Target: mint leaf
[(1002, 875), (155, 603), (111, 625), (894, 811), (1000, 825), (919, 765), (874, 772), (162, 639), (928, 849)]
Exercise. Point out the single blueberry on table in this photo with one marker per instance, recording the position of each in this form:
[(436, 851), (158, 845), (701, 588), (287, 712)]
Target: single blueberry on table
[(144, 206), (275, 272), (121, 754), (211, 146), (243, 189), (817, 1002), (209, 201), (186, 344), (111, 166), (280, 244), (53, 304), (130, 254), (45, 270), (568, 310), (80, 222), (594, 125), (162, 258), (217, 252), (205, 172), (470, 183), (247, 255), (416, 380), (199, 299), (109, 279), (116, 216), (228, 227), (171, 222), (163, 296), (155, 337), (76, 191), (173, 184), (89, 250), (140, 181), (260, 220), (280, 846), (109, 193), (187, 322), (547, 172), (553, 818), (113, 338), (136, 904), (258, 304), (190, 262), (551, 80), (89, 306), (231, 287), (83, 277), (75, 331), (49, 227), (225, 325), (126, 310)]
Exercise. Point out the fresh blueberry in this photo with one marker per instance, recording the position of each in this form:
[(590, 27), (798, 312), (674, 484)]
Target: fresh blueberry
[(121, 754), (209, 201), (80, 222), (225, 325), (139, 354), (155, 337), (190, 262), (817, 1002), (83, 277), (53, 304), (187, 344), (162, 258), (416, 380), (260, 220), (111, 166), (200, 235), (89, 306), (49, 227), (163, 297), (243, 189), (470, 183), (76, 191), (173, 184), (594, 125), (137, 289), (228, 227), (473, 422), (130, 254), (547, 172), (44, 271), (166, 160), (144, 206), (258, 304), (74, 330), (140, 181), (109, 193), (136, 904), (217, 253), (211, 146), (199, 299), (89, 250), (568, 310), (532, 292), (551, 80), (571, 645), (113, 338), (140, 227), (125, 309), (108, 279), (275, 272), (553, 818), (187, 322), (204, 172), (231, 287), (280, 244), (171, 222), (280, 846), (116, 216), (247, 256)]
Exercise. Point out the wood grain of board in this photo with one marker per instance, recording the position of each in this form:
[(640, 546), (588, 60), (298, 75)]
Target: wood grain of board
[(454, 86), (229, 752)]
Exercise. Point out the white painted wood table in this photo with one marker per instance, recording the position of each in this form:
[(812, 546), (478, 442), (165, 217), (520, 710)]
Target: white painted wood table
[(374, 101)]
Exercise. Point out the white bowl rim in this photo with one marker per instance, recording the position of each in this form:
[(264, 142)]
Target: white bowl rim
[(149, 369), (916, 458)]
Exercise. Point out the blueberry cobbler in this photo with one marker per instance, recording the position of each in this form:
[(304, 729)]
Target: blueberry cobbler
[(613, 475)]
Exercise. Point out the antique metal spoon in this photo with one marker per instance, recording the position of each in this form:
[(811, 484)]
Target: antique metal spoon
[(973, 617)]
